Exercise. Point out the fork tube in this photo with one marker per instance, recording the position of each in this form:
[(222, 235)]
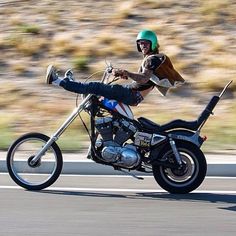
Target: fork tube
[(70, 119), (60, 131)]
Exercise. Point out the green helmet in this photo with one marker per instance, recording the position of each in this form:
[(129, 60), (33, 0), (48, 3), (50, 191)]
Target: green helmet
[(150, 36)]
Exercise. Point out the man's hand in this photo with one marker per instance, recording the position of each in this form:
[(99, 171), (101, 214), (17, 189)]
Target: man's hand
[(123, 74)]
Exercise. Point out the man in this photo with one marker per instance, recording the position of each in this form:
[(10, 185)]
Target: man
[(156, 71)]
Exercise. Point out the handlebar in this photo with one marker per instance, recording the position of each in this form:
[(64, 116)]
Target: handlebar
[(105, 77), (108, 71)]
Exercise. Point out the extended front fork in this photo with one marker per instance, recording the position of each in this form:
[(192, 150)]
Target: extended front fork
[(60, 131)]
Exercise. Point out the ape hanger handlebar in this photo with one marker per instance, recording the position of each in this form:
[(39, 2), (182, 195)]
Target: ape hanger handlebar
[(224, 89)]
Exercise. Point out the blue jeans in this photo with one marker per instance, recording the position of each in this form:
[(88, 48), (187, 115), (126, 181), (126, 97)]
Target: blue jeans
[(115, 91)]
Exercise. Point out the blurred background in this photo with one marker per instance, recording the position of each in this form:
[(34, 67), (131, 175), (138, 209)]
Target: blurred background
[(198, 35)]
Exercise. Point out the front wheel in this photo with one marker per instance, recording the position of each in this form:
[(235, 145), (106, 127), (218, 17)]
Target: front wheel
[(186, 178), (44, 172)]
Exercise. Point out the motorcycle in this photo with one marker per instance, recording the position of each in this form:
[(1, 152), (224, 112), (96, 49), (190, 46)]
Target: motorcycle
[(171, 152)]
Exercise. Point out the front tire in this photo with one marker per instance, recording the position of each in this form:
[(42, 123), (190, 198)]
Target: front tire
[(187, 178), (44, 172)]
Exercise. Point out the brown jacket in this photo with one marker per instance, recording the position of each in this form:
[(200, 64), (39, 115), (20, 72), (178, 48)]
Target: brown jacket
[(165, 76), (167, 70)]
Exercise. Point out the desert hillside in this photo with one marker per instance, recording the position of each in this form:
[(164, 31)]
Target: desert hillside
[(199, 36)]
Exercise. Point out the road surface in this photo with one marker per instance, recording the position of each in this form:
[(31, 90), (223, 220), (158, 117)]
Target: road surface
[(117, 205)]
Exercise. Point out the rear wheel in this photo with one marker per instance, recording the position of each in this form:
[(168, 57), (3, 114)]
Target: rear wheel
[(35, 176), (186, 178)]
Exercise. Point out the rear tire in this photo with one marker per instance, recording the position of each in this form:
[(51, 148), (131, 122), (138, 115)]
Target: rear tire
[(40, 175), (186, 179)]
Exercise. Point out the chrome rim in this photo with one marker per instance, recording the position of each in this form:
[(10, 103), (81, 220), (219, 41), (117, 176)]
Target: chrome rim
[(20, 162)]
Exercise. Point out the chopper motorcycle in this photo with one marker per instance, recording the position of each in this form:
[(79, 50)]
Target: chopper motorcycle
[(171, 152)]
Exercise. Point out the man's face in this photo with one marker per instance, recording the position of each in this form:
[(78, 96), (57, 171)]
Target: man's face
[(145, 46)]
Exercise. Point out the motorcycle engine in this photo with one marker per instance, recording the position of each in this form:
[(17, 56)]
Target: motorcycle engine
[(126, 156), (113, 149)]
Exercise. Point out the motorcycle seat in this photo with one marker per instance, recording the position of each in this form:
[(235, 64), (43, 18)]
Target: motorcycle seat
[(175, 124), (148, 124)]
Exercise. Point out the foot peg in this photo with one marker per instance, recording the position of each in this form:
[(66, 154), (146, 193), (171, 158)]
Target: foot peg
[(133, 175)]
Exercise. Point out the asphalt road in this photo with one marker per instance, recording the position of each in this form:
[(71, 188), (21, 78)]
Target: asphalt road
[(117, 205)]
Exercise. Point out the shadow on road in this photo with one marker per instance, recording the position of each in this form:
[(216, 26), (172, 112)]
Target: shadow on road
[(84, 194), (193, 197)]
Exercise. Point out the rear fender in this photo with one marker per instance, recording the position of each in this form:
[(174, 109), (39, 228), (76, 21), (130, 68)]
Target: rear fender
[(177, 135), (186, 135)]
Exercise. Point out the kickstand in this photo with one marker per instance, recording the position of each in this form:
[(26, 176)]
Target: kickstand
[(133, 175)]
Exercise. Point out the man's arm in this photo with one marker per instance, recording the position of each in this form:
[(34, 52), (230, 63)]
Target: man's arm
[(141, 78), (150, 64)]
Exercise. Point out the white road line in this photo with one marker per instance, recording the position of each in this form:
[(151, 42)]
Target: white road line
[(123, 176), (220, 177), (119, 190)]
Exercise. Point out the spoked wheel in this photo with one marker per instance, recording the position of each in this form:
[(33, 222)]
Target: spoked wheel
[(34, 176), (186, 178)]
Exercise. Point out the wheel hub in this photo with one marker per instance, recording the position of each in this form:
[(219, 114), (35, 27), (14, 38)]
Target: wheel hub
[(182, 170), (34, 165)]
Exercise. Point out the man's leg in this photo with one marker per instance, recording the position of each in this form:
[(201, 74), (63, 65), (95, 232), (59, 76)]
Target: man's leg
[(116, 91)]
